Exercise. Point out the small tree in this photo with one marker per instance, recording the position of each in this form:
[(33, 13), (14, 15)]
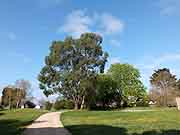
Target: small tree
[(24, 91), (63, 104), (107, 91), (128, 83), (164, 87), (9, 96), (48, 105)]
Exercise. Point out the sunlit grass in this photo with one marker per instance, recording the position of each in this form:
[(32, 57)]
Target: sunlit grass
[(157, 122)]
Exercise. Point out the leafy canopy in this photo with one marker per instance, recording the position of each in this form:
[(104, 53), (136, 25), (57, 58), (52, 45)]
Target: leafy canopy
[(128, 81), (70, 64)]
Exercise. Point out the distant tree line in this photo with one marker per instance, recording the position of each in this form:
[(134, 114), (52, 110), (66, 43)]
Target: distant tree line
[(13, 96), (74, 69)]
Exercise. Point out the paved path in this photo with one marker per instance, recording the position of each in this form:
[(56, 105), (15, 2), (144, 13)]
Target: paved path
[(47, 124), (131, 110)]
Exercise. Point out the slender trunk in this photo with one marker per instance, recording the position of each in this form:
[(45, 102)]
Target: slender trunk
[(17, 104), (83, 103), (9, 102), (76, 105)]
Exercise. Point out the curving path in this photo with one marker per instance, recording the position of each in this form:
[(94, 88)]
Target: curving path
[(47, 124)]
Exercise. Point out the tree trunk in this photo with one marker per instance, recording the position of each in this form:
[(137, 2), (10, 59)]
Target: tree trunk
[(76, 105), (17, 104), (83, 103), (9, 103)]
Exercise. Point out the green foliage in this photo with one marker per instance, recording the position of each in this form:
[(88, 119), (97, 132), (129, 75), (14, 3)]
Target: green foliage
[(129, 83), (1, 107), (107, 92), (48, 105), (70, 65), (63, 104)]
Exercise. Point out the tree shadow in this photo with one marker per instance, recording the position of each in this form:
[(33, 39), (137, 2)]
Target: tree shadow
[(12, 127), (8, 127), (109, 130), (46, 131), (96, 130), (1, 114), (40, 121)]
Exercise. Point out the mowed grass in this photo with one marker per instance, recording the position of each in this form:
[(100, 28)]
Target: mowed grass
[(12, 122), (157, 122)]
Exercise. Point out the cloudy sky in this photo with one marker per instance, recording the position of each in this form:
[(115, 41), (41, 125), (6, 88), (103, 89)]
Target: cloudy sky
[(145, 33)]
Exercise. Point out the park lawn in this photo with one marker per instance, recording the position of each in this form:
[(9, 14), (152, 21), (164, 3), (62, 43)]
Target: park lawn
[(157, 122), (12, 122)]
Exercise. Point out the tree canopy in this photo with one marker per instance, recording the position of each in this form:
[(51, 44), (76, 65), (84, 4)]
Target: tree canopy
[(129, 83), (71, 65)]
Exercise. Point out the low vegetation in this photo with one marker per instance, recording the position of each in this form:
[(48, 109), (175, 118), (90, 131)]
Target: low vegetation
[(149, 122), (12, 122)]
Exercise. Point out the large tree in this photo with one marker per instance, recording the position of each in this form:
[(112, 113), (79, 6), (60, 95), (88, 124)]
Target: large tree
[(129, 83), (70, 65), (164, 87)]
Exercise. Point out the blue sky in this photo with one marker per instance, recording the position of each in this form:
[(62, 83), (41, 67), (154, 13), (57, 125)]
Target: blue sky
[(145, 33)]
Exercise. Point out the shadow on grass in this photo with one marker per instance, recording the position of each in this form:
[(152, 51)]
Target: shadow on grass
[(46, 131), (12, 127), (109, 130), (9, 127)]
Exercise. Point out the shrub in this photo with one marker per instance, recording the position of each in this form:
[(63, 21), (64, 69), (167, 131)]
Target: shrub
[(63, 104), (1, 107), (48, 105)]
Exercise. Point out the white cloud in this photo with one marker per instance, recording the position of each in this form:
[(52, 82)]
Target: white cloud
[(12, 36), (169, 7), (155, 62), (148, 65), (111, 24), (114, 60), (78, 22)]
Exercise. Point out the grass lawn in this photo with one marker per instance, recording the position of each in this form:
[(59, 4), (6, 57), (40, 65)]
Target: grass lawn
[(12, 122), (157, 122)]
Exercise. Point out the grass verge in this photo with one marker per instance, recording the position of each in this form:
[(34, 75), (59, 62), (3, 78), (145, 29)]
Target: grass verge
[(12, 122), (157, 122)]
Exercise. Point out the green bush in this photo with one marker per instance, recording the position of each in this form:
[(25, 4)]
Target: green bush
[(1, 107), (63, 104), (48, 105)]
